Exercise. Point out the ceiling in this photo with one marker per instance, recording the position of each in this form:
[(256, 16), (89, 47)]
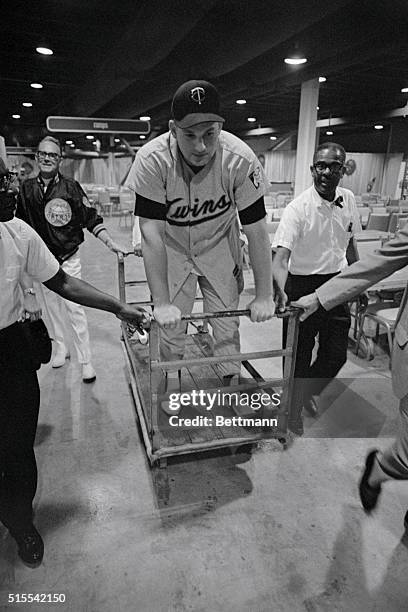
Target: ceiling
[(125, 59)]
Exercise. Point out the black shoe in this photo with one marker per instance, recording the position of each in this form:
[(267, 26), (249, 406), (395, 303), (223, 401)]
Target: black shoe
[(30, 546), (406, 521), (295, 425), (311, 408), (368, 494)]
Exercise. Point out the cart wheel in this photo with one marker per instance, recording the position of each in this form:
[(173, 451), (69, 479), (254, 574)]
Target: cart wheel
[(161, 482)]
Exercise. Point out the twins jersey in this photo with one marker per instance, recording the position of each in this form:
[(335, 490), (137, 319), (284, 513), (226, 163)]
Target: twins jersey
[(200, 209)]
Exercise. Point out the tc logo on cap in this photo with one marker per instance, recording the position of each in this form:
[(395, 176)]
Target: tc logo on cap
[(198, 94)]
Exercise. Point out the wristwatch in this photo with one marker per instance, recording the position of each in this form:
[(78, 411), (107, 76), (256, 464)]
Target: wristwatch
[(29, 291)]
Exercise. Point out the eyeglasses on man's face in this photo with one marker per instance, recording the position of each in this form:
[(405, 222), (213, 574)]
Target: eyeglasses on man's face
[(41, 155), (334, 167)]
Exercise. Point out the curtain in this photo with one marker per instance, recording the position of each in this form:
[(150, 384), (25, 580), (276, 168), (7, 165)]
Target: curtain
[(280, 166)]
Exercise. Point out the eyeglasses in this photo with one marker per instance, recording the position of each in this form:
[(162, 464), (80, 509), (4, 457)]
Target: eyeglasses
[(334, 167), (43, 154)]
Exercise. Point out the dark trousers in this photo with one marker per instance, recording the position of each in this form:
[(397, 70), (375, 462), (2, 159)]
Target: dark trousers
[(332, 327), (19, 406)]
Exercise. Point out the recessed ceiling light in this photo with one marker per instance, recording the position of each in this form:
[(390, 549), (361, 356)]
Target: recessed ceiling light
[(240, 101), (404, 90), (329, 133), (27, 104), (273, 137), (44, 50), (89, 137), (142, 136), (117, 139), (68, 142), (295, 61), (72, 144), (251, 119), (145, 118), (36, 85), (317, 107), (378, 126), (322, 79), (16, 116)]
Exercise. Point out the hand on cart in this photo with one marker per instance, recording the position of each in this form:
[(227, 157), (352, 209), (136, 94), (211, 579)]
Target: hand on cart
[(134, 315), (167, 316), (281, 299), (308, 303), (261, 309)]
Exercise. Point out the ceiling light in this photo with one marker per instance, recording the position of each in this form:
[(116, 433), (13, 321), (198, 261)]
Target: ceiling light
[(68, 142), (145, 118), (322, 79), (72, 145), (240, 101), (404, 90), (89, 137), (295, 61), (44, 50), (251, 119), (16, 116), (273, 137), (329, 133), (117, 139), (36, 85), (317, 107), (27, 104), (378, 126), (142, 136)]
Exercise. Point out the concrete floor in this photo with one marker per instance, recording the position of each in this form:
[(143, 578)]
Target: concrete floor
[(275, 531)]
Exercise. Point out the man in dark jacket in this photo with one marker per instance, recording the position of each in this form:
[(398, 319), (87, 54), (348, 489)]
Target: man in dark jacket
[(58, 209)]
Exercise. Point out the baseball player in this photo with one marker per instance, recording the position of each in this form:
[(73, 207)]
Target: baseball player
[(190, 183)]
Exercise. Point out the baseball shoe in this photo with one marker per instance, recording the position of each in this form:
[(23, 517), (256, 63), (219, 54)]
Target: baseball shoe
[(88, 373)]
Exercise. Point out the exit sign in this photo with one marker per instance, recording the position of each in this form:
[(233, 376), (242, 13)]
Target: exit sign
[(101, 126)]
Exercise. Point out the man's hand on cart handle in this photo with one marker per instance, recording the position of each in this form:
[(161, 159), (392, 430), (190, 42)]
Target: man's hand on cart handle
[(134, 315), (167, 316), (261, 309), (309, 304)]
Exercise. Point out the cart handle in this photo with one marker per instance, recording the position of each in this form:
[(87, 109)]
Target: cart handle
[(199, 316)]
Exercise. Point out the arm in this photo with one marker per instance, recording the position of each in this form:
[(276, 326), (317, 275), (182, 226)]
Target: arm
[(113, 246), (80, 292), (260, 255), (155, 260), (280, 275), (31, 308), (137, 238)]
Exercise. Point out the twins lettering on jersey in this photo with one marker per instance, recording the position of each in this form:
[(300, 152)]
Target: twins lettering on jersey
[(179, 213)]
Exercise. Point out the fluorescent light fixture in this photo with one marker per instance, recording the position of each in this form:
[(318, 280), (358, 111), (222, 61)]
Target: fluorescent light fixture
[(68, 142), (36, 85), (16, 116), (378, 126), (251, 119), (329, 133), (27, 104), (44, 50), (295, 61), (142, 136), (404, 90), (273, 137), (145, 118), (322, 79), (240, 101), (89, 137)]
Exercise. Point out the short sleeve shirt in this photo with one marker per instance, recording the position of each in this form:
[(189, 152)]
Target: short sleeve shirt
[(201, 209), (21, 250), (317, 232)]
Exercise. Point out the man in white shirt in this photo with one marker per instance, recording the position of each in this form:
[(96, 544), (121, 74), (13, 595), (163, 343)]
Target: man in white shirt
[(22, 252), (313, 243)]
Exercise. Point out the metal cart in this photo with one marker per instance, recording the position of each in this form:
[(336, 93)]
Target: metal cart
[(147, 375)]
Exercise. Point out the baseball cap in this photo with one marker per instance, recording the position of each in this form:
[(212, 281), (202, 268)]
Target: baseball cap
[(195, 102)]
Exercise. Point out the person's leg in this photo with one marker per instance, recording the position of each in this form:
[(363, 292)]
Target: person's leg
[(225, 330), (54, 315), (19, 405), (172, 341), (332, 352), (76, 314), (393, 462)]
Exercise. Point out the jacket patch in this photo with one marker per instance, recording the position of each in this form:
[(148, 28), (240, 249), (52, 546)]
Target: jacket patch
[(255, 177), (58, 212)]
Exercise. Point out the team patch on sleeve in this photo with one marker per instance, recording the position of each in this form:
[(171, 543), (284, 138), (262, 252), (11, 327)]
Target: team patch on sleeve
[(256, 177)]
